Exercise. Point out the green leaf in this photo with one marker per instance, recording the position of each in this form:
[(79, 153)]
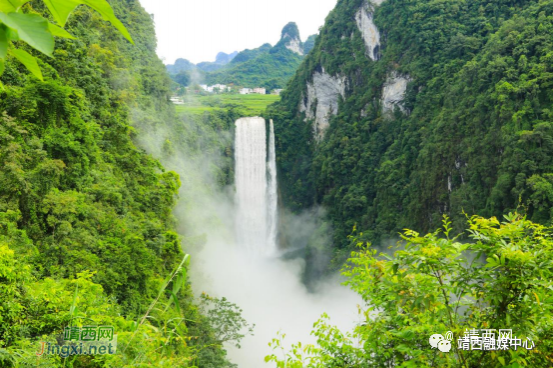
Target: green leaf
[(3, 42), (62, 9), (105, 10), (1, 68), (11, 34), (59, 32), (32, 29), (7, 6), (174, 300), (29, 61), (491, 262)]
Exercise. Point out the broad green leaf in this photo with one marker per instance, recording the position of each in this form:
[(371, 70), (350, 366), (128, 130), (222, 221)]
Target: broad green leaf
[(7, 6), (3, 42), (61, 9), (11, 34), (1, 67), (103, 7), (32, 29), (29, 61), (59, 32)]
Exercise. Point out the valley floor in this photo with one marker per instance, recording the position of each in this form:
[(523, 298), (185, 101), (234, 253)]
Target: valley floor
[(251, 105)]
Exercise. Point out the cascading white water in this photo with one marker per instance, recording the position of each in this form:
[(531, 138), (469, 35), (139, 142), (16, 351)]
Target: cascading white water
[(272, 193), (251, 183), (267, 288)]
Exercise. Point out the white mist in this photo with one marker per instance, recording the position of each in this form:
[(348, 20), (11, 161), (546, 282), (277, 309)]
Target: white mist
[(250, 274), (247, 272)]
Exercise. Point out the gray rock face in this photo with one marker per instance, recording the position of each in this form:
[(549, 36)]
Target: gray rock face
[(322, 99), (295, 45), (393, 92), (369, 32), (290, 36)]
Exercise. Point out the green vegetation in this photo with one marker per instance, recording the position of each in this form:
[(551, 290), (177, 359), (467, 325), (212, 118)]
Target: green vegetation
[(87, 235), (241, 105), (182, 69), (309, 44), (475, 136), (248, 54), (37, 32), (221, 60), (87, 230), (432, 284), (268, 67), (270, 71), (180, 65)]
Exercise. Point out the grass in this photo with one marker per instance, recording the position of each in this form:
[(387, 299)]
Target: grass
[(251, 105)]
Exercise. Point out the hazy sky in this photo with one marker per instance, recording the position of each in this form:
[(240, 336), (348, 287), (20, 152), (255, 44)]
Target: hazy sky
[(198, 29)]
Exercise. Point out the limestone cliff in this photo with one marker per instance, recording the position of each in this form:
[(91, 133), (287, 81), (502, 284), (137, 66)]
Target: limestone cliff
[(321, 100), (406, 110), (290, 38)]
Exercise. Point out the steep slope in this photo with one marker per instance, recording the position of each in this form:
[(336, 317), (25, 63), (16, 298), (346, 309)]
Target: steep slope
[(248, 54), (408, 110), (86, 224), (259, 68), (309, 44)]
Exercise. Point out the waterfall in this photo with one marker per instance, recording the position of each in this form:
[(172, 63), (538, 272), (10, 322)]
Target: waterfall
[(255, 180), (272, 192)]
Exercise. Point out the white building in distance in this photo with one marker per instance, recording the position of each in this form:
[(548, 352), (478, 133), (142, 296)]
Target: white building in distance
[(216, 87), (221, 87), (247, 91), (176, 100), (260, 91)]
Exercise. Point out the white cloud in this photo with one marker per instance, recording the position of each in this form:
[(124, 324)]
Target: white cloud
[(198, 29)]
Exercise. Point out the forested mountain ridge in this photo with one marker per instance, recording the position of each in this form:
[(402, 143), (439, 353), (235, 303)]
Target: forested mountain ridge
[(266, 66), (86, 225), (248, 54), (184, 65), (221, 59), (408, 110)]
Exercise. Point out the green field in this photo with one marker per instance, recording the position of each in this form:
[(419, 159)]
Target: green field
[(250, 105)]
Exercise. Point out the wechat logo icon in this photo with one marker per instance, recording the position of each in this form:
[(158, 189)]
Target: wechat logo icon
[(441, 343)]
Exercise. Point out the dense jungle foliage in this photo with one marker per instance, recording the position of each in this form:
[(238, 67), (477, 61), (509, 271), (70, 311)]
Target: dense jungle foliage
[(476, 135), (87, 235)]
